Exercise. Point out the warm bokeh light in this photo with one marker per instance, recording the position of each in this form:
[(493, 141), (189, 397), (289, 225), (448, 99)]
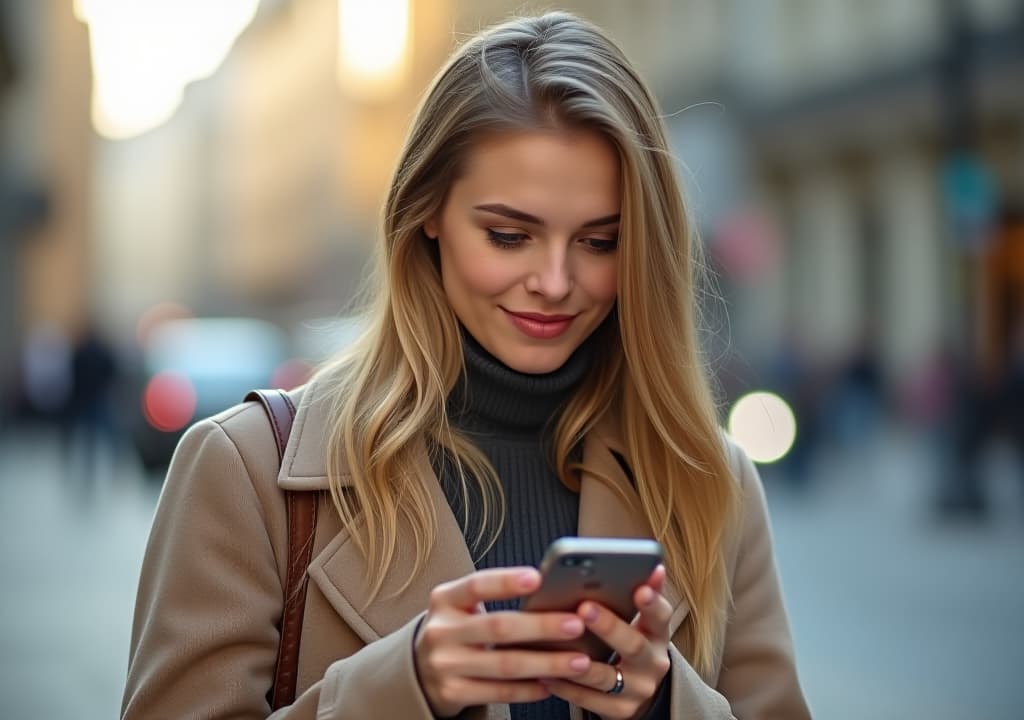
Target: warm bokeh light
[(373, 39), (763, 424), (169, 401), (145, 52)]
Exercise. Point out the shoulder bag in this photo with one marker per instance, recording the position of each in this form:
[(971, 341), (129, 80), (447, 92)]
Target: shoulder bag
[(301, 509)]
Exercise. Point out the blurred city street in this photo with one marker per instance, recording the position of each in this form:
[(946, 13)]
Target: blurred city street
[(895, 614), (191, 196)]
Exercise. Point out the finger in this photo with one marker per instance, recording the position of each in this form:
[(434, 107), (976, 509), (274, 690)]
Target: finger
[(625, 639), (466, 593), (462, 692), (601, 676), (656, 581), (510, 664), (596, 701), (511, 627), (655, 613)]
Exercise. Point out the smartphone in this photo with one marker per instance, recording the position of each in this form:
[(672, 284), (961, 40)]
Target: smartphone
[(605, 570)]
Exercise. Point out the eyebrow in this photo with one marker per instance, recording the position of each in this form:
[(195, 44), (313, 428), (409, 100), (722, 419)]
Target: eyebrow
[(513, 214)]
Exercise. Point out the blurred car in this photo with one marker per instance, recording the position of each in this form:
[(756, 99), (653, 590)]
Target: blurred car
[(192, 368)]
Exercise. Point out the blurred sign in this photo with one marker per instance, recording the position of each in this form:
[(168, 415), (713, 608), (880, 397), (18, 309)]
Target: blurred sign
[(971, 198), (746, 243)]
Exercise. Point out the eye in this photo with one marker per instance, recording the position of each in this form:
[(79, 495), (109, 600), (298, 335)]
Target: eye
[(505, 240), (601, 245)]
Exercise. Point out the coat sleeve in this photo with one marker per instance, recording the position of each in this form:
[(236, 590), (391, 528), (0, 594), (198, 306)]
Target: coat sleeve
[(204, 638), (758, 679)]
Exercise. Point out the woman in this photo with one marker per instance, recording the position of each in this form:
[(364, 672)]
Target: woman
[(530, 370)]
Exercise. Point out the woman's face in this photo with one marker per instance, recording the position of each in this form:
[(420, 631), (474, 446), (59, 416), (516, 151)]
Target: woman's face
[(528, 239)]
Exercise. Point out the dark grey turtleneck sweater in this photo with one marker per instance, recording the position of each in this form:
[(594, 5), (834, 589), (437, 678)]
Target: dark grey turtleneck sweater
[(510, 416)]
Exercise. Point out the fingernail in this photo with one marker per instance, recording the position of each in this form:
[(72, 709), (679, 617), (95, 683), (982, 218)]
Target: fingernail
[(580, 663), (590, 613), (526, 579), (572, 626), (646, 596)]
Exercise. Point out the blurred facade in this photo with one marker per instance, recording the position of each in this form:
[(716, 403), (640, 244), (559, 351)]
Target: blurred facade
[(45, 179), (855, 169), (846, 163)]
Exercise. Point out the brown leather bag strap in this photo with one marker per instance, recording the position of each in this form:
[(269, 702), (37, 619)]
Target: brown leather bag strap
[(301, 508)]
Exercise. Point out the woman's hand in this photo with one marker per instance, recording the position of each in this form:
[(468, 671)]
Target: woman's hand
[(457, 667), (642, 649)]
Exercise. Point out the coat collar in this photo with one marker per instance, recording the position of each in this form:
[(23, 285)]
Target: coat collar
[(608, 507), (304, 465)]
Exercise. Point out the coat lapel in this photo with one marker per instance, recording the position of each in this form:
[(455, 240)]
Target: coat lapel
[(341, 573), (339, 570), (611, 507)]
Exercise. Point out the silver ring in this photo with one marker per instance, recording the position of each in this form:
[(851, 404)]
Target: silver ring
[(617, 688)]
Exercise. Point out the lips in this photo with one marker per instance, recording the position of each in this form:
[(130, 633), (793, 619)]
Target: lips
[(541, 317), (538, 325)]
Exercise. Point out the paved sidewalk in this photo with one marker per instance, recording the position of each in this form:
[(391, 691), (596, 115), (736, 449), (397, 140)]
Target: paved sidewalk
[(894, 615), (897, 614)]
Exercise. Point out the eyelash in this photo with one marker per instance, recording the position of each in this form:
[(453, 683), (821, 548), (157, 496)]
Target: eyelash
[(505, 241), (510, 241)]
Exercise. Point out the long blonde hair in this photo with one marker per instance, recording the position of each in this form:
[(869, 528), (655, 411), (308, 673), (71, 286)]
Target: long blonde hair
[(389, 407)]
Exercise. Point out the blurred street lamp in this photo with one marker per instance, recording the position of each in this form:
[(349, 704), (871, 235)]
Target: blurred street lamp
[(373, 47), (145, 52)]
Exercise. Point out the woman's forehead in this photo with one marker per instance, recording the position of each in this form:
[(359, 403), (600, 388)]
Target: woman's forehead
[(555, 172)]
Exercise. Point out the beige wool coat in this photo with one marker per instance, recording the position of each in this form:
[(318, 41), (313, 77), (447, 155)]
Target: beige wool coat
[(204, 639)]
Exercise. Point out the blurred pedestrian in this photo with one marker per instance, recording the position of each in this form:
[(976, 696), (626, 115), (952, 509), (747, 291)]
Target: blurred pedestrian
[(992, 394), (794, 375), (529, 371), (46, 372), (856, 397), (89, 426)]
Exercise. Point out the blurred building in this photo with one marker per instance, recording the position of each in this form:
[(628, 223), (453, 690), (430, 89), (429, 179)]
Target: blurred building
[(819, 175), (46, 239), (856, 115)]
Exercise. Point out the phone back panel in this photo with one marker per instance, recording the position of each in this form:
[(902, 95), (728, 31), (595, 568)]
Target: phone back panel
[(604, 570)]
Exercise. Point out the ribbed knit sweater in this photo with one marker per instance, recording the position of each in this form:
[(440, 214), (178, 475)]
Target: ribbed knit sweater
[(510, 416)]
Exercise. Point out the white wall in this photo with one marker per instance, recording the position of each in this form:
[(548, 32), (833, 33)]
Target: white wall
[(825, 264), (909, 216)]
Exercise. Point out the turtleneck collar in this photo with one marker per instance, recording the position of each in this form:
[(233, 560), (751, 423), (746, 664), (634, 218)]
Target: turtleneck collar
[(492, 397)]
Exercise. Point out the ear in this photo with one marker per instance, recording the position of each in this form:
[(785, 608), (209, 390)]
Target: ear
[(430, 228)]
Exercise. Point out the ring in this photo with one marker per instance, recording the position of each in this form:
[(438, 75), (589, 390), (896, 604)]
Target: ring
[(617, 688)]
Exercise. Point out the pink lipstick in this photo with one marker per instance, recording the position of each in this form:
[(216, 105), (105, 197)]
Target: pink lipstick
[(539, 325)]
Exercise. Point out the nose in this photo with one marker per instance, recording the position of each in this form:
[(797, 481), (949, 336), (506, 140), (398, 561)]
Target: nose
[(552, 275)]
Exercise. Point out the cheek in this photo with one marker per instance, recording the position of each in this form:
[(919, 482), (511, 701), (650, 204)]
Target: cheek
[(602, 283), (479, 272)]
